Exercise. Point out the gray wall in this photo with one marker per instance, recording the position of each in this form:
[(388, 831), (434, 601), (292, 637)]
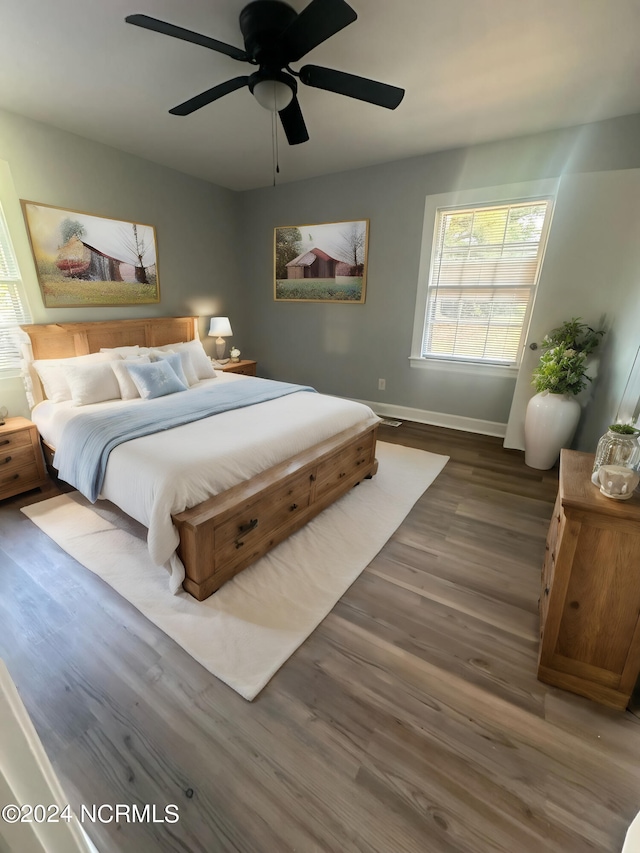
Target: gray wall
[(621, 284), (216, 257), (196, 225), (343, 349)]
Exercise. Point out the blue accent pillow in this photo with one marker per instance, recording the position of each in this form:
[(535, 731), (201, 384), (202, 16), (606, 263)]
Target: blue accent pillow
[(175, 360), (155, 380)]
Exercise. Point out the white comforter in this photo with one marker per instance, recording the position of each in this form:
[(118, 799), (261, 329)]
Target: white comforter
[(154, 477)]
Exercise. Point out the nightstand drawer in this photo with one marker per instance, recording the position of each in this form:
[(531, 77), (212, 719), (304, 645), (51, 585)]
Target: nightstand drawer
[(21, 462), (17, 480), (11, 441), (15, 457)]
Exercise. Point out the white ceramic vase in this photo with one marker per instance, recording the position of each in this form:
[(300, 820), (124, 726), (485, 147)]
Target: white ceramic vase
[(549, 425)]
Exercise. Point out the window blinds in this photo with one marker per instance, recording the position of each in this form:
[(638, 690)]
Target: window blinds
[(13, 308), (484, 270)]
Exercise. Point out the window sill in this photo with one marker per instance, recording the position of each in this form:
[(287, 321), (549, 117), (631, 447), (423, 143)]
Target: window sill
[(471, 367), (10, 373)]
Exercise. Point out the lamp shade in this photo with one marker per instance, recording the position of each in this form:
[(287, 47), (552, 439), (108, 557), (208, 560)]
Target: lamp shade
[(220, 327)]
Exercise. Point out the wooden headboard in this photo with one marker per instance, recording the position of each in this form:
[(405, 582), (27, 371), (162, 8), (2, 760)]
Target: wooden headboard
[(65, 340)]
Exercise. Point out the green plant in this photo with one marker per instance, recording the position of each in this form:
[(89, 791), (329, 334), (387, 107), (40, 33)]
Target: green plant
[(562, 366), (573, 334), (624, 429)]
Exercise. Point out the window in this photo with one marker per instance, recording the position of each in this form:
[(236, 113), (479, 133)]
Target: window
[(485, 264), (13, 306)]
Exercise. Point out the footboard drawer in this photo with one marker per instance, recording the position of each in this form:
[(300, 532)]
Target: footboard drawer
[(346, 465), (259, 519)]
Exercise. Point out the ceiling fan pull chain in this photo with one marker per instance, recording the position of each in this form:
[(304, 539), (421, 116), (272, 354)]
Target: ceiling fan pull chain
[(274, 146)]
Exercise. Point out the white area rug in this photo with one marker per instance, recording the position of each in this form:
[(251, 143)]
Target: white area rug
[(247, 630)]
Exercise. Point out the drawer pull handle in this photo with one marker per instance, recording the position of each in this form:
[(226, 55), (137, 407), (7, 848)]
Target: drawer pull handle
[(6, 441), (293, 506), (4, 461), (342, 474), (360, 448), (546, 590), (312, 478), (246, 528)]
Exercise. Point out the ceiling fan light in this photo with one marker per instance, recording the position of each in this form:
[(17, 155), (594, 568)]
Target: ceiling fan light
[(273, 95)]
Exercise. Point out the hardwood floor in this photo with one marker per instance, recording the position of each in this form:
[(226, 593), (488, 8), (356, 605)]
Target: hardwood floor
[(411, 721)]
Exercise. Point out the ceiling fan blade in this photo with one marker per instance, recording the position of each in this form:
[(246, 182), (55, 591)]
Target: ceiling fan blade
[(293, 123), (317, 22), (361, 88), (207, 97), (166, 29)]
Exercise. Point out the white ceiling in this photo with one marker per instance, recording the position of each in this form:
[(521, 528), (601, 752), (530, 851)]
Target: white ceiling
[(473, 70)]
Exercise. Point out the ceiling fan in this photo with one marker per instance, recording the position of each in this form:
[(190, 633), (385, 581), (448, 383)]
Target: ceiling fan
[(275, 35)]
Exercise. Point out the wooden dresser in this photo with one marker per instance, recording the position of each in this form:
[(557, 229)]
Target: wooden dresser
[(21, 462), (590, 599)]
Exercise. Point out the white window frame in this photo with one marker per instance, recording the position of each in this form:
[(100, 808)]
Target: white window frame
[(483, 196), (15, 281)]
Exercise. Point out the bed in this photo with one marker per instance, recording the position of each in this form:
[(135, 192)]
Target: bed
[(220, 491)]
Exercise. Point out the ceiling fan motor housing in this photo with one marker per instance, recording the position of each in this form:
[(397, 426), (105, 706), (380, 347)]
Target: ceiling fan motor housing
[(275, 35), (262, 22)]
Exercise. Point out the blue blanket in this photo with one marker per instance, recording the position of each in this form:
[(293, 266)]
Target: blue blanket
[(88, 439)]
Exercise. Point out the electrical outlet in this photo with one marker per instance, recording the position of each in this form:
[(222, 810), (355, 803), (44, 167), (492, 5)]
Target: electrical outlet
[(382, 384)]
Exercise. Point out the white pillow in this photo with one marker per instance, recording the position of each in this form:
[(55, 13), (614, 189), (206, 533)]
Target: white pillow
[(52, 374), (201, 362), (190, 375), (91, 383), (124, 352), (128, 389)]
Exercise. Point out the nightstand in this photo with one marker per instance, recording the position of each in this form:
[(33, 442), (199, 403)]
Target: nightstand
[(248, 368), (21, 462)]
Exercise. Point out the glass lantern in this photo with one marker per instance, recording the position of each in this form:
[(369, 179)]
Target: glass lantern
[(616, 448)]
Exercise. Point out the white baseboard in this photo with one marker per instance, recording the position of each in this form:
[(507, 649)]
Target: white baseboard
[(441, 419)]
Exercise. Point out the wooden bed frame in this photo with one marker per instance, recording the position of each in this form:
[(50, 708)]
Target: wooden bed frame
[(227, 532)]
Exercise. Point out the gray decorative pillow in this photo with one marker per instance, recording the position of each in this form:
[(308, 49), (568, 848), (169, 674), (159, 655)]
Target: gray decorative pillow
[(156, 379), (181, 363)]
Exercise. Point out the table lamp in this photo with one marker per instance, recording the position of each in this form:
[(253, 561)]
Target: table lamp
[(221, 328)]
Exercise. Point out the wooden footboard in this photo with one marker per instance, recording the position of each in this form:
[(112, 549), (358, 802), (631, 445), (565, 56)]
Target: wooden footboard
[(223, 535)]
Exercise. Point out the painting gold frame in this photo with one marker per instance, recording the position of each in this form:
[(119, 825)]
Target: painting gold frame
[(83, 260), (325, 262)]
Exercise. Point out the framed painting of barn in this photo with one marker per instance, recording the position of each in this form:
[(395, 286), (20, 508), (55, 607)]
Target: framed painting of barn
[(84, 260), (321, 263)]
